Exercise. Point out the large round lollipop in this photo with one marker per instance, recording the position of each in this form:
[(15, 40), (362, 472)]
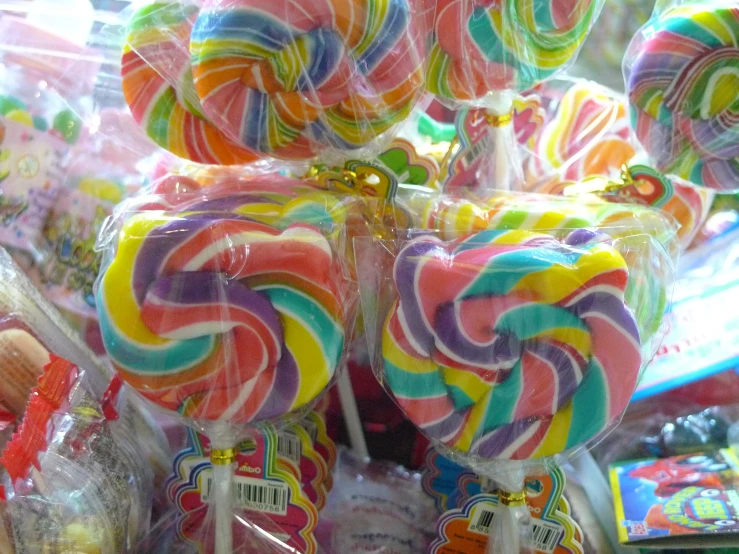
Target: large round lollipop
[(292, 78), (157, 85), (684, 92), (512, 345), (481, 46)]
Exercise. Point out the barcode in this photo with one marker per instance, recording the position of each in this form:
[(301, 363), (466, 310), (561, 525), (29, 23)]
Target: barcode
[(473, 153), (288, 446), (481, 522), (254, 494), (311, 428), (546, 536)]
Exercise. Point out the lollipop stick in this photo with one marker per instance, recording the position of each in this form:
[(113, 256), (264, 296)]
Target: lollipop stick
[(222, 456), (351, 415), (511, 526), (506, 174)]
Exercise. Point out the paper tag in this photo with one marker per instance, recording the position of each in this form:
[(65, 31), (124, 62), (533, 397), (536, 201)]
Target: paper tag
[(440, 477), (323, 444), (670, 500), (408, 165), (30, 175), (359, 178), (263, 482), (475, 139), (465, 530)]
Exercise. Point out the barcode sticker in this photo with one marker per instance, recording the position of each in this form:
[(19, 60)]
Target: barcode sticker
[(483, 145), (254, 494), (482, 520), (288, 446), (311, 428), (545, 536)]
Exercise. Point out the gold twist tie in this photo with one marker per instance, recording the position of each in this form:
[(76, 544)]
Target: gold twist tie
[(223, 457), (499, 120), (512, 499)]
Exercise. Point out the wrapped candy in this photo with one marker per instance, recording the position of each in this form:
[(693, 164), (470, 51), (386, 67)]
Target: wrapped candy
[(483, 53), (234, 81), (517, 339), (682, 91), (228, 305)]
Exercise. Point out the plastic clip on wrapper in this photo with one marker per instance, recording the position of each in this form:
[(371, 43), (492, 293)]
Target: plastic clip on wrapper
[(69, 484), (483, 53), (233, 81), (682, 78), (513, 332), (227, 305)]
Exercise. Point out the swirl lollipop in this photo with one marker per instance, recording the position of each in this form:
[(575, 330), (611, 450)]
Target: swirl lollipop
[(157, 85), (292, 78), (229, 310), (682, 87), (510, 344)]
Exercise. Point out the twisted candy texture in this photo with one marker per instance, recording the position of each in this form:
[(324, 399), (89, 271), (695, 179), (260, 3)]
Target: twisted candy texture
[(480, 46), (511, 344), (683, 93), (290, 78), (222, 317), (158, 87)]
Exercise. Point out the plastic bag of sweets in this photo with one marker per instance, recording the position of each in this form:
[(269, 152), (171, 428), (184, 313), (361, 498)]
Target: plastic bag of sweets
[(482, 54), (227, 306), (514, 345), (682, 93), (66, 483), (44, 88)]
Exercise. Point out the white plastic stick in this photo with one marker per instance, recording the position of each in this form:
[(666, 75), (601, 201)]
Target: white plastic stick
[(223, 497), (505, 151), (351, 415)]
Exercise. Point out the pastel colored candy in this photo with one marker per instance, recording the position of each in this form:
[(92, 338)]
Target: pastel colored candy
[(588, 135), (511, 344), (480, 46), (683, 94), (290, 78), (158, 87), (220, 316)]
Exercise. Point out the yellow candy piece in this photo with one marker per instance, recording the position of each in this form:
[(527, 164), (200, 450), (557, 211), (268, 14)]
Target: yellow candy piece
[(101, 188), (20, 116)]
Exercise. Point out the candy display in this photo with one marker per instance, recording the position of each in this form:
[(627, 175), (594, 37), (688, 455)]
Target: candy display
[(290, 82), (682, 92)]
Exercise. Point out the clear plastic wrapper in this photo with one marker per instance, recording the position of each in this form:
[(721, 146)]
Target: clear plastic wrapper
[(227, 305), (682, 91), (513, 333), (233, 81), (67, 482), (482, 54)]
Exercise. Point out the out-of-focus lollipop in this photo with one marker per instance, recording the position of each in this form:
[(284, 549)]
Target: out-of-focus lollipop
[(479, 47), (511, 344), (588, 135), (292, 78), (158, 87), (683, 83)]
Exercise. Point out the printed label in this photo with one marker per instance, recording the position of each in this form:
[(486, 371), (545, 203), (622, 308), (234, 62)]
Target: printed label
[(30, 174), (253, 494)]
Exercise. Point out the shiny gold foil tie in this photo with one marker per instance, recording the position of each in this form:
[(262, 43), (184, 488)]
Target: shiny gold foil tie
[(512, 499), (499, 120), (223, 457)]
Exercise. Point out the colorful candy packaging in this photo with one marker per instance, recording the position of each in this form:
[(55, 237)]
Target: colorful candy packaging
[(682, 88), (483, 53), (513, 332), (45, 87), (227, 306), (237, 81)]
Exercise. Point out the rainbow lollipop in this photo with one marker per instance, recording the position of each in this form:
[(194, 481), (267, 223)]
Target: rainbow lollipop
[(682, 87)]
